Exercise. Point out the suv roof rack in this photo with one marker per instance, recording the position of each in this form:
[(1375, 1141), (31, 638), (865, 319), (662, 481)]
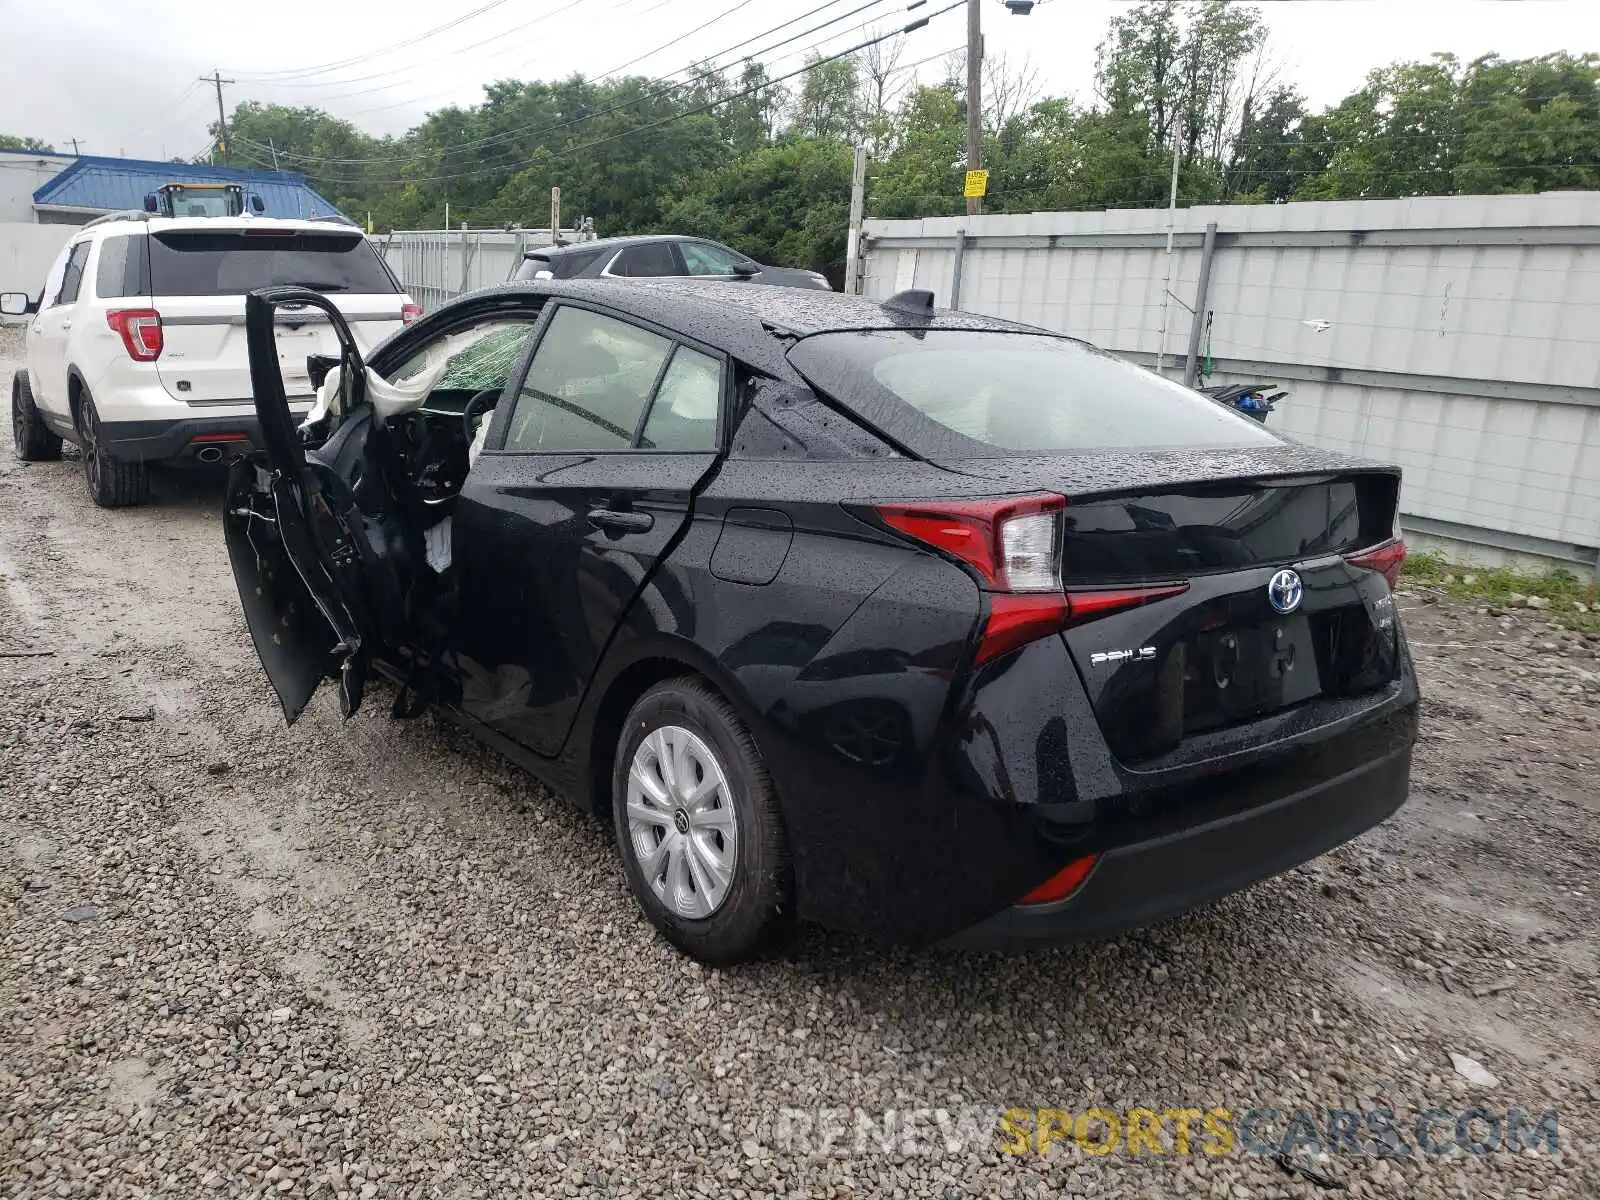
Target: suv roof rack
[(127, 214)]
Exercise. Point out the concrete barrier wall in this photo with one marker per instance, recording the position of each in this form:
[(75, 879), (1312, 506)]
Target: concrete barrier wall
[(26, 252)]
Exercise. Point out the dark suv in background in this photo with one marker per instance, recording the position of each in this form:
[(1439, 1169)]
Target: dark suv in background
[(658, 256)]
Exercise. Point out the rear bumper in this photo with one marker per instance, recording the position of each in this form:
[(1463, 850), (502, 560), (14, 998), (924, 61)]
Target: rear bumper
[(150, 441), (1147, 881)]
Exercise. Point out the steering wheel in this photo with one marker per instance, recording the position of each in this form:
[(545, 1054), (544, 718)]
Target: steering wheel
[(479, 400)]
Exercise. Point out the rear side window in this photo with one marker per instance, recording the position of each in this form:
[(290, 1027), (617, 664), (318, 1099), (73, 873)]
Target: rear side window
[(587, 385), (684, 414), (121, 269), (956, 393), (206, 263), (573, 264), (650, 259)]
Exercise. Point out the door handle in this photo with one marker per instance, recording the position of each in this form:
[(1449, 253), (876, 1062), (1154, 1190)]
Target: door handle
[(65, 325), (621, 522)]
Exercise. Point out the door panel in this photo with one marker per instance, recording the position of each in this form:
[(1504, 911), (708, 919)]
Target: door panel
[(52, 327), (563, 521), (552, 549)]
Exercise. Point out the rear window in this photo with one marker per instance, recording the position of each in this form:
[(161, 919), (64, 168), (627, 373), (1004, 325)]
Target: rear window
[(207, 263), (956, 393)]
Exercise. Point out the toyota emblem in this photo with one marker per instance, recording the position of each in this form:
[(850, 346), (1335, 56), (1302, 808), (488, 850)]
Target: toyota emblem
[(1284, 591)]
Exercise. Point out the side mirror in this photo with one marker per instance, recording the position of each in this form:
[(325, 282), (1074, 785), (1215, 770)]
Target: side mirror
[(746, 270), (257, 205), (16, 304), (150, 202)]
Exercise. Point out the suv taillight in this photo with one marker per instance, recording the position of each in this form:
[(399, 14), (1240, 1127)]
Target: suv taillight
[(141, 332), (410, 313), (1014, 546)]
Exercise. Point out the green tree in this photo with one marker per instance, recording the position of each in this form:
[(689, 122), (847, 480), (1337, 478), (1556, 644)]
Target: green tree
[(828, 105), (11, 142)]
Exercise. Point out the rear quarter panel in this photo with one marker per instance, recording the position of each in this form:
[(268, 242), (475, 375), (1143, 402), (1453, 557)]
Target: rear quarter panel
[(842, 667)]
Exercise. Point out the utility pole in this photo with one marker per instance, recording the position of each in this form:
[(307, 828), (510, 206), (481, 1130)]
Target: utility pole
[(75, 151), (858, 212), (216, 79), (974, 96), (272, 146)]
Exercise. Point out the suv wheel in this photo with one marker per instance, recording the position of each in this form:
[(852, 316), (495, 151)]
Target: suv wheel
[(113, 482), (698, 823), (34, 441)]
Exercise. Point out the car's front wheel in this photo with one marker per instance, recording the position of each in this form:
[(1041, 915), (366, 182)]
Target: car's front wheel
[(698, 823), (113, 482), (34, 441)]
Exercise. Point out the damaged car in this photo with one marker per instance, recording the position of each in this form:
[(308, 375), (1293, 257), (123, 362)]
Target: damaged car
[(910, 622)]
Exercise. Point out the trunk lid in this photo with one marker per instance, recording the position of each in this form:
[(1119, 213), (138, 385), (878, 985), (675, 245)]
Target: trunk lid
[(1243, 641)]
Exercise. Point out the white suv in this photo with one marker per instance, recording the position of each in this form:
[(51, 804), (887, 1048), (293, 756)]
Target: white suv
[(137, 350)]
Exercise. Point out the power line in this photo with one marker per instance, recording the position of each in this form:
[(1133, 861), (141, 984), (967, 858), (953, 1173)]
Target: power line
[(434, 60), (510, 135), (301, 72), (535, 130), (686, 114), (681, 37)]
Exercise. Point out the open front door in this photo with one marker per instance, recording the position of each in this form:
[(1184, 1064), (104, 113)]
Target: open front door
[(294, 533)]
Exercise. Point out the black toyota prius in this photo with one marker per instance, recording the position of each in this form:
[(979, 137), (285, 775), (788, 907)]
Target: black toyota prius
[(895, 619)]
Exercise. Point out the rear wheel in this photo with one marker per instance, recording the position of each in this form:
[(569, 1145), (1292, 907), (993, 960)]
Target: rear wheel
[(113, 482), (698, 824), (34, 441)]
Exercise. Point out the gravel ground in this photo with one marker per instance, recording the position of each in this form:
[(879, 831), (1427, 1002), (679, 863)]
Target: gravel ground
[(371, 959)]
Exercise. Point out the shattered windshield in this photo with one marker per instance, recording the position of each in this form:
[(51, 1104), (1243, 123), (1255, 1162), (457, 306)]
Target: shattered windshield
[(475, 359)]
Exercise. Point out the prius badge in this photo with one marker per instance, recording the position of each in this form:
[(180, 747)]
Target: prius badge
[(1284, 591)]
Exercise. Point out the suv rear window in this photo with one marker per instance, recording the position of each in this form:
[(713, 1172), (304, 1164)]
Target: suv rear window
[(209, 263), (957, 393)]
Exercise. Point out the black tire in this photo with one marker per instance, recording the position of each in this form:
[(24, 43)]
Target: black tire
[(113, 482), (757, 902), (34, 441)]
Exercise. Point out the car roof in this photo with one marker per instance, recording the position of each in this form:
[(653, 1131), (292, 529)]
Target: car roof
[(141, 222), (747, 321), (609, 243)]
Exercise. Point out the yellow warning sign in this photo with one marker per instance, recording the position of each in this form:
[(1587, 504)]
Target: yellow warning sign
[(977, 185)]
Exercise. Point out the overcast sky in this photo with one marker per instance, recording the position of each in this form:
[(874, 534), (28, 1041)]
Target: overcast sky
[(123, 79)]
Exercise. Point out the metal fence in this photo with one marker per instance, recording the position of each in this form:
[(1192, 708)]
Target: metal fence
[(436, 265), (1456, 336)]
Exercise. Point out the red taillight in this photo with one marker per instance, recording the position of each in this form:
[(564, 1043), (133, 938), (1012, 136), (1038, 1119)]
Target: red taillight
[(1090, 603), (1063, 883), (141, 332), (1386, 559), (202, 439), (1014, 544), (410, 312), (1017, 620)]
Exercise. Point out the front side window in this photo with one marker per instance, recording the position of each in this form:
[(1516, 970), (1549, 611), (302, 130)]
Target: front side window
[(472, 360), (703, 258), (587, 386), (649, 259), (72, 277)]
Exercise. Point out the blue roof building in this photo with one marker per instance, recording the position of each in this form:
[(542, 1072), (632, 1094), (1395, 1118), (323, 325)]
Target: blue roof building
[(91, 184)]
